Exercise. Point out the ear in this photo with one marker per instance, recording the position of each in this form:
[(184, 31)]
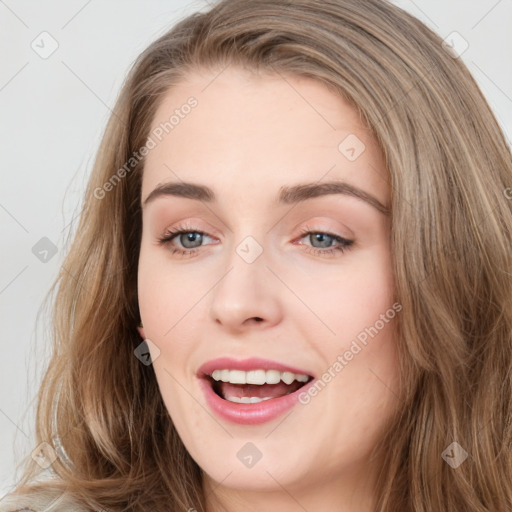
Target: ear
[(141, 332)]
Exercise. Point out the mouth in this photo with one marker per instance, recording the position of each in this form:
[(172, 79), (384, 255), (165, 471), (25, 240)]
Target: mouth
[(252, 391), (254, 386)]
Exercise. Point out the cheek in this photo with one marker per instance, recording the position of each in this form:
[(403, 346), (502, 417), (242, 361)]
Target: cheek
[(352, 296), (165, 293), (170, 305)]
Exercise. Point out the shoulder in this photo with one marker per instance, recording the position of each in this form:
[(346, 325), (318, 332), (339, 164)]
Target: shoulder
[(41, 494), (49, 501)]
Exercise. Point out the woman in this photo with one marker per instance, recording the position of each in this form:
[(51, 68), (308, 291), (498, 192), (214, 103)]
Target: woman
[(302, 209)]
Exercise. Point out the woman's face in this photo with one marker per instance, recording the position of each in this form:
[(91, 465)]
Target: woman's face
[(254, 284)]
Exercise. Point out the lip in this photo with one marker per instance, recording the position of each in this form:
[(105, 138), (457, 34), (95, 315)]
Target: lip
[(248, 414), (253, 363)]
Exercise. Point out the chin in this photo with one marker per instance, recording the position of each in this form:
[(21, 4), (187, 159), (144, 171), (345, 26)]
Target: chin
[(259, 478)]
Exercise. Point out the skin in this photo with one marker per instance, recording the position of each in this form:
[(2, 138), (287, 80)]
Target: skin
[(249, 135)]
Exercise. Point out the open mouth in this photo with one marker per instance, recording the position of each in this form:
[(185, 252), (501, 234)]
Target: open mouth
[(250, 393)]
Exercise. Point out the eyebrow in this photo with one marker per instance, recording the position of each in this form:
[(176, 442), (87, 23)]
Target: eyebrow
[(287, 195)]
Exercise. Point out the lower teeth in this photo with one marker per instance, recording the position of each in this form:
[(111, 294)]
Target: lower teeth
[(246, 399)]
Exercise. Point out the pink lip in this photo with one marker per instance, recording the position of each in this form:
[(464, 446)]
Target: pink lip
[(253, 363), (248, 414)]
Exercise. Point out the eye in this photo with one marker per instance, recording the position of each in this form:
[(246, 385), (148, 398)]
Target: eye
[(188, 236), (325, 240), (191, 240)]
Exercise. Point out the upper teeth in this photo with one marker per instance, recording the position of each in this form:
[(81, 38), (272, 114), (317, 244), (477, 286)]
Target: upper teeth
[(257, 376)]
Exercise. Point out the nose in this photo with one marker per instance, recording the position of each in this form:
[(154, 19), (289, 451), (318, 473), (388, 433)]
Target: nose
[(247, 294)]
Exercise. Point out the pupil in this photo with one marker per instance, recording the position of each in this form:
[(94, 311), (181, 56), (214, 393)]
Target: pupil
[(190, 238), (320, 236)]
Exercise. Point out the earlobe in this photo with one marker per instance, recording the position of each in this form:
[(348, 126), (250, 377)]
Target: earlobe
[(141, 331)]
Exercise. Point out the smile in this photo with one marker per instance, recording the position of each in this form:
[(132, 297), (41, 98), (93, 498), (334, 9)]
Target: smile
[(256, 385), (251, 396)]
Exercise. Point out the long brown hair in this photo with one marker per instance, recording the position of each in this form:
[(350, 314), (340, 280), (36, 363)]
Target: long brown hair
[(100, 409)]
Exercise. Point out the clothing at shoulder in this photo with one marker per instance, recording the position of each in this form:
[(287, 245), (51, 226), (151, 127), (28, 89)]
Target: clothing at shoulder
[(47, 501)]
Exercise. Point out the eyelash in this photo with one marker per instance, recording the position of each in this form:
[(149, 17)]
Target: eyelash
[(345, 244)]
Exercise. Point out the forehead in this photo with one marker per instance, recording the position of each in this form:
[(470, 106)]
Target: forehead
[(260, 131)]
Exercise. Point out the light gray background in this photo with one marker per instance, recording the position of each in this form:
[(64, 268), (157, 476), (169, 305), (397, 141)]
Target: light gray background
[(53, 112)]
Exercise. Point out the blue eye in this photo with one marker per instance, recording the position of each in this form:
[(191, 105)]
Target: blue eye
[(192, 236), (323, 237), (191, 240)]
